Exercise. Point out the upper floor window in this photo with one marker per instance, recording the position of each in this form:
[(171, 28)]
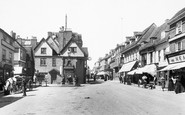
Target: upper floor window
[(159, 55), (72, 49), (42, 61), (43, 50), (4, 55), (151, 57), (179, 27), (10, 57), (21, 54), (164, 51), (178, 46), (54, 62)]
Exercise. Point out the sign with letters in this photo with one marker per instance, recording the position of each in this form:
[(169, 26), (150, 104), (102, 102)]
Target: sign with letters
[(175, 59)]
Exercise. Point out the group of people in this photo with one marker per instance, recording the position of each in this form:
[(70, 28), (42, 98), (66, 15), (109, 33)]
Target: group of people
[(13, 85)]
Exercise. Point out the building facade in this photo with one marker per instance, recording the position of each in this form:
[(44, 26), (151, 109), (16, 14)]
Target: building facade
[(6, 58)]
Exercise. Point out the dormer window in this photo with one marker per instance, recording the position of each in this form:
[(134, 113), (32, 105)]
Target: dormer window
[(179, 27), (163, 34)]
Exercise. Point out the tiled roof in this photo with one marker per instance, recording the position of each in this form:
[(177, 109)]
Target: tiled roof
[(145, 34), (156, 33), (177, 16)]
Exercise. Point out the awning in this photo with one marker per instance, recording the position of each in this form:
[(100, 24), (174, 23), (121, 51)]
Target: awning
[(18, 70), (174, 66), (102, 73), (127, 67), (151, 69), (132, 72)]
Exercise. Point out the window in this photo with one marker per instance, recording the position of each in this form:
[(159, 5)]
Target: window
[(43, 50), (164, 51), (42, 61), (178, 46), (72, 49), (21, 54), (163, 34), (159, 55), (151, 57), (179, 27), (4, 55), (10, 57), (54, 62)]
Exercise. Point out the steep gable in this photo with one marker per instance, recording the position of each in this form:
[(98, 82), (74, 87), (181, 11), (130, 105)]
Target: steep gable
[(43, 44), (72, 49)]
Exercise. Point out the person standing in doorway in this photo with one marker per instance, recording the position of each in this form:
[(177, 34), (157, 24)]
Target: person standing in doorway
[(162, 83)]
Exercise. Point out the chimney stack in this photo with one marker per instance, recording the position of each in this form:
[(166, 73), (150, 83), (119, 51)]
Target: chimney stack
[(13, 34)]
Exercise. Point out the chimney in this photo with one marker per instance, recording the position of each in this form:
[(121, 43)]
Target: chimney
[(49, 34), (13, 34)]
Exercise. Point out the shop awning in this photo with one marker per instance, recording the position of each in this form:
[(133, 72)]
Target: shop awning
[(151, 69), (174, 66), (132, 72), (18, 70), (102, 73), (127, 67)]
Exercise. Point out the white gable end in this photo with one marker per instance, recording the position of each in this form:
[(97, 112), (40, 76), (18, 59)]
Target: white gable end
[(78, 52), (48, 50)]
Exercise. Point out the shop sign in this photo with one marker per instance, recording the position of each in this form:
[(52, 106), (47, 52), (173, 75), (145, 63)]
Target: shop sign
[(175, 59)]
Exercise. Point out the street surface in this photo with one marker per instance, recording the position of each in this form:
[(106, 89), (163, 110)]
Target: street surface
[(103, 98)]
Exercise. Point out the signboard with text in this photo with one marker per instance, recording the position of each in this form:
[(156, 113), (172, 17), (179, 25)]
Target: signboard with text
[(176, 59)]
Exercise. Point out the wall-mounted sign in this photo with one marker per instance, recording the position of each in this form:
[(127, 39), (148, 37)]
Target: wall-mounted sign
[(175, 59)]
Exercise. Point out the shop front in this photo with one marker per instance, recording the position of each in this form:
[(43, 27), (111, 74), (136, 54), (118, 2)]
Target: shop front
[(176, 69), (127, 68)]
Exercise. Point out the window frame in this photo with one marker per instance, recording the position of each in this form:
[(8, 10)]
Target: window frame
[(178, 28), (43, 62), (43, 50)]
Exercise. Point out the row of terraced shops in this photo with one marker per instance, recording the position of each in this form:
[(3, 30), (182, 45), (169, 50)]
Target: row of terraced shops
[(158, 53)]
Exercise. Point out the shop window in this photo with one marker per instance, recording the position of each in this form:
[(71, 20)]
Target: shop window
[(42, 61), (179, 27), (43, 50)]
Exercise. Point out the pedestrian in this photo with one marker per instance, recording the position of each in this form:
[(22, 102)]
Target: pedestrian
[(120, 79), (139, 82), (24, 86), (178, 85), (162, 83), (171, 85)]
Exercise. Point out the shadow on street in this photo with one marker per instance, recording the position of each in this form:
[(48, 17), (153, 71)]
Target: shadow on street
[(8, 100)]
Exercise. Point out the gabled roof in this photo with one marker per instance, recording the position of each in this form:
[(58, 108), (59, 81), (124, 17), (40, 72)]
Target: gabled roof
[(72, 40), (52, 47), (156, 34), (180, 14), (145, 34), (42, 40)]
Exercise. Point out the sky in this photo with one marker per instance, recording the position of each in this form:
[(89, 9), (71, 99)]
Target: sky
[(102, 23)]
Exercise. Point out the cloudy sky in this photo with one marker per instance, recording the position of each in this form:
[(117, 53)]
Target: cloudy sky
[(102, 23)]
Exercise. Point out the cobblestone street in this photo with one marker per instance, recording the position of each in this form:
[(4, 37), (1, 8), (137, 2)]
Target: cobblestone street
[(103, 98)]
